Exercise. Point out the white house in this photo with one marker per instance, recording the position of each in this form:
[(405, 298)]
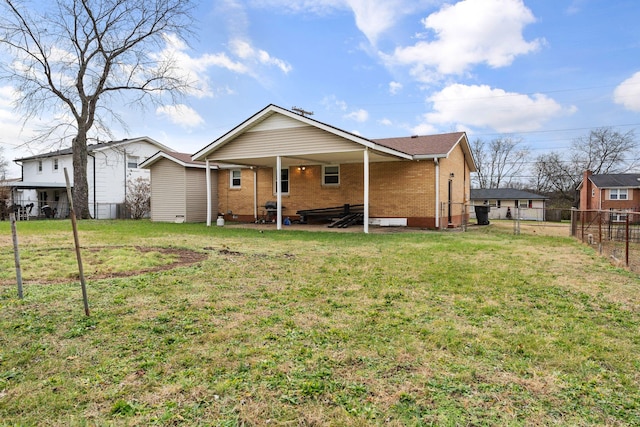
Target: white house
[(505, 203), (110, 165)]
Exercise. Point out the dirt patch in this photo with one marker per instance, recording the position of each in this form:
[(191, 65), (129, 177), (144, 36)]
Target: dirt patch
[(181, 257)]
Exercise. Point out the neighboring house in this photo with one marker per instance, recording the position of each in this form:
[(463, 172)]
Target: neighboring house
[(110, 165), (505, 203), (615, 192), (420, 181), (176, 187)]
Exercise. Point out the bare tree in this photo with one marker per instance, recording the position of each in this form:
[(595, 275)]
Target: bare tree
[(605, 151), (5, 192), (602, 151), (80, 57), (4, 165), (499, 162), (138, 198)]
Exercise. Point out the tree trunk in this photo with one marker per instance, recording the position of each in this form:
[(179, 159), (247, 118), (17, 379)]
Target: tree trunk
[(80, 183)]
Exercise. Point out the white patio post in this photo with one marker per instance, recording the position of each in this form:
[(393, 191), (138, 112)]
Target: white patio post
[(208, 178), (437, 193), (366, 190), (279, 193)]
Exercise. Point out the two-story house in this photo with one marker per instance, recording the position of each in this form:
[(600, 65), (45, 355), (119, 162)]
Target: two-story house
[(110, 165), (618, 193)]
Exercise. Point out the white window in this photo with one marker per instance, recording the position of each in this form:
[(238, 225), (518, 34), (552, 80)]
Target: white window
[(618, 194), (132, 162), (331, 175), (284, 181), (39, 166), (55, 165), (619, 216), (235, 178)]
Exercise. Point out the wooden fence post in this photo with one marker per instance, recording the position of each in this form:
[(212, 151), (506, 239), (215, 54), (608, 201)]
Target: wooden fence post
[(16, 252), (77, 244)]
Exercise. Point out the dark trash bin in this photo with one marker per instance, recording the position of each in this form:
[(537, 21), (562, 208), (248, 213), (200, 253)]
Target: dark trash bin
[(482, 214)]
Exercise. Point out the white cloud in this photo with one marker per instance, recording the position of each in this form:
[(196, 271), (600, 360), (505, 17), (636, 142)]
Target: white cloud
[(195, 69), (385, 122), (359, 116), (375, 17), (468, 33), (485, 107), (372, 17), (424, 129), (628, 93), (244, 50), (180, 114), (332, 102), (395, 87)]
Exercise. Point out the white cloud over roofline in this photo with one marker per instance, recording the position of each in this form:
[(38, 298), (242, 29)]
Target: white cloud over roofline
[(481, 106), (180, 114)]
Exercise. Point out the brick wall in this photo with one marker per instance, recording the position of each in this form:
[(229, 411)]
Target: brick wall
[(400, 189)]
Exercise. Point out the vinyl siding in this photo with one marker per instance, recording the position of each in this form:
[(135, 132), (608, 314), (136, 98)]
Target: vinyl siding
[(168, 197), (296, 141), (196, 194)]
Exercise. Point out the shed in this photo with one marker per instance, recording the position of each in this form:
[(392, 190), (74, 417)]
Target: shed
[(176, 187)]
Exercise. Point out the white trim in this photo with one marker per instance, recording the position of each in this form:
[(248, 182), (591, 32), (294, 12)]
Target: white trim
[(279, 173), (231, 178), (324, 167)]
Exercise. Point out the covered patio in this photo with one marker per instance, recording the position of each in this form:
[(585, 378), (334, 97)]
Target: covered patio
[(321, 166)]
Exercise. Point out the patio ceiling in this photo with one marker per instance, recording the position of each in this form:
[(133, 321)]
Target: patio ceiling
[(355, 156)]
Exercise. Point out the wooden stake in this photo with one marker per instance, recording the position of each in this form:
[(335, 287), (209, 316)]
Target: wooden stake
[(16, 253), (77, 244)]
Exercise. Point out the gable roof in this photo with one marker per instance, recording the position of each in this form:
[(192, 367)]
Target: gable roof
[(619, 180), (504, 194), (95, 147), (407, 148), (271, 110), (183, 159)]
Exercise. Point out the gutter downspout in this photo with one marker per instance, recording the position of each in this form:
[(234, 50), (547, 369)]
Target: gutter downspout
[(437, 190)]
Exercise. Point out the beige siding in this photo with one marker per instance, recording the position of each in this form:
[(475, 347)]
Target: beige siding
[(196, 194), (167, 191), (290, 142), (277, 121)]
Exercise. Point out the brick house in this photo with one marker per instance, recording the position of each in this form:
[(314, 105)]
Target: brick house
[(615, 192), (418, 181)]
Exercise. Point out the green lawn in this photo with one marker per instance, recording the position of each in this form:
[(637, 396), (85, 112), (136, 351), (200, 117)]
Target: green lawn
[(315, 328)]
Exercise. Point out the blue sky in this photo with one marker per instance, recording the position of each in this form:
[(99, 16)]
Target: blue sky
[(544, 71)]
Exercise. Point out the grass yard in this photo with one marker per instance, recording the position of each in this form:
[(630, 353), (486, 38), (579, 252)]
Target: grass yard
[(239, 327)]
